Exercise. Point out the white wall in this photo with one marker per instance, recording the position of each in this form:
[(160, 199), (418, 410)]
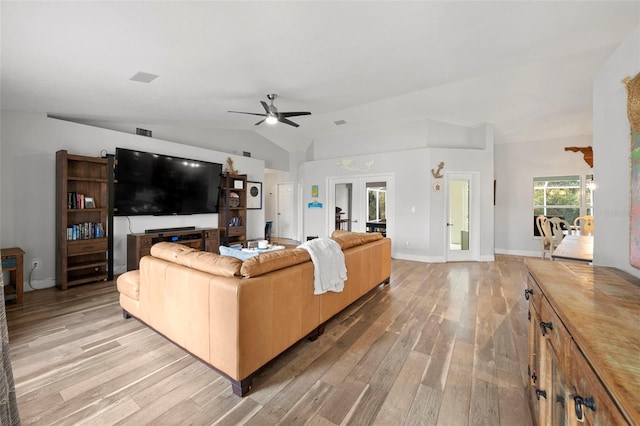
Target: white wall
[(611, 152), (419, 219), (231, 141), (27, 185), (516, 164), (397, 137)]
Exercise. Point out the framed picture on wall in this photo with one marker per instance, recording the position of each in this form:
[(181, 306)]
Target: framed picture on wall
[(254, 195)]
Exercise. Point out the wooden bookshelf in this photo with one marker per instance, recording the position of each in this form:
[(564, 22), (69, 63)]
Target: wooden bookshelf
[(84, 241), (232, 215)]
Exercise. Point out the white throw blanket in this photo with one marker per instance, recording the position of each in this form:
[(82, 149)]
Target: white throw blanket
[(329, 267)]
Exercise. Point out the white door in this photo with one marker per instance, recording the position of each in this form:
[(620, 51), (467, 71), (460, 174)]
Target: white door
[(284, 227), (462, 233), (360, 203), (346, 205)]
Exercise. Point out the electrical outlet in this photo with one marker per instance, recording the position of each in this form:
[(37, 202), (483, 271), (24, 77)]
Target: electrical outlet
[(35, 263)]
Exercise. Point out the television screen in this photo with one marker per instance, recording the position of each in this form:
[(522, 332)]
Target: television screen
[(154, 184)]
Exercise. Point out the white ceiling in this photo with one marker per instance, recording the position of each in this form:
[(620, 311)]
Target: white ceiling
[(524, 66)]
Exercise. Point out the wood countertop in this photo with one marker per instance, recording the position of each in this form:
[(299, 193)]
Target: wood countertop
[(600, 307)]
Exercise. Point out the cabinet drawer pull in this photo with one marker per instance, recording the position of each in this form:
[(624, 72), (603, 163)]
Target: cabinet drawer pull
[(544, 326), (587, 402), (541, 393), (527, 292)]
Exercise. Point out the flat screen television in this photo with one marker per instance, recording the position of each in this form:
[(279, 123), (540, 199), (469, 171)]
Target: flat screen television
[(155, 184)]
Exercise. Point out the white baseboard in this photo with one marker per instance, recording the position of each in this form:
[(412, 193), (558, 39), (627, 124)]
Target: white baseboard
[(39, 284)]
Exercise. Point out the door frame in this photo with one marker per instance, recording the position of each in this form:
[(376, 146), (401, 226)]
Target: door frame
[(473, 254)]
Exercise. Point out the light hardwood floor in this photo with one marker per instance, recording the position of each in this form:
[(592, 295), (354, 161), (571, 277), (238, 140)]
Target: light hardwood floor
[(441, 344)]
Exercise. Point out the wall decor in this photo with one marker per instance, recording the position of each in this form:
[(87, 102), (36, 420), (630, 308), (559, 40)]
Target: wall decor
[(437, 174), (351, 165), (314, 191), (587, 153), (254, 195), (633, 112)]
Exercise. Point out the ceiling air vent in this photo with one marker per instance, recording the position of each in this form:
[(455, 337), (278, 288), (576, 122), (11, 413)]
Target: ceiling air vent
[(143, 77), (143, 132), (339, 122)]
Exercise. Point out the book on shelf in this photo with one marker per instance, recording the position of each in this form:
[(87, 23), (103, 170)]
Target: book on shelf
[(79, 201), (85, 231)]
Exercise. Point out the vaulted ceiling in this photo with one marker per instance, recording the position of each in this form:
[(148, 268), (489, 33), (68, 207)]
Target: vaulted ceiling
[(526, 67)]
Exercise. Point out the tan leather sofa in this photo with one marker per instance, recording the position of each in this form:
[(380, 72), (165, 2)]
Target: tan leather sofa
[(236, 316)]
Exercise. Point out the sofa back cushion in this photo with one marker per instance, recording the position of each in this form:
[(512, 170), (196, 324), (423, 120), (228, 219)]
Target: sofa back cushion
[(272, 261), (348, 239), (223, 266)]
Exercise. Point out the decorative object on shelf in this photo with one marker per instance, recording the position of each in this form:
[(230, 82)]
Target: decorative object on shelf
[(89, 203), (633, 112), (234, 199), (587, 153), (437, 174), (254, 195), (229, 169)]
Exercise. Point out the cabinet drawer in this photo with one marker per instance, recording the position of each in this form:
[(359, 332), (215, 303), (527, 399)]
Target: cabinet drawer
[(87, 246), (586, 385), (557, 334), (534, 293), (9, 262)]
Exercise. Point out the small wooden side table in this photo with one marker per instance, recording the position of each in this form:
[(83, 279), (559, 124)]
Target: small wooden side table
[(13, 261)]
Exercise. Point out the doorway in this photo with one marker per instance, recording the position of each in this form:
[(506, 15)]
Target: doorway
[(361, 204), (462, 233), (284, 216)]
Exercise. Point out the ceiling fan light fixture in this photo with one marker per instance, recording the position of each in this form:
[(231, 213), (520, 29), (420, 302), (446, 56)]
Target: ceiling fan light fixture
[(271, 119)]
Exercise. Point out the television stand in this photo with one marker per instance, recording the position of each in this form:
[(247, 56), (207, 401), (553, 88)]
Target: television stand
[(139, 245), (164, 230)]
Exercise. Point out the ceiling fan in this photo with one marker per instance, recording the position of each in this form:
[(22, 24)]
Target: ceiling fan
[(272, 115)]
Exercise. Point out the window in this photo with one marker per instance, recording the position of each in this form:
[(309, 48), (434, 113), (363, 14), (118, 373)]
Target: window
[(377, 197), (563, 196)]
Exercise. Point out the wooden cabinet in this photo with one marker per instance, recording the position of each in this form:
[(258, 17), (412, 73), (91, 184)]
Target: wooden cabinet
[(84, 218), (583, 346), (139, 245), (232, 215)]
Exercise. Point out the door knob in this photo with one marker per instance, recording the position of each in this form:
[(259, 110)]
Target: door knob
[(449, 224)]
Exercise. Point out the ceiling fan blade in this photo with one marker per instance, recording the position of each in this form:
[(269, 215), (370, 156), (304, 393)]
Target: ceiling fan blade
[(294, 114), (249, 113), (260, 122), (287, 121), (265, 106)]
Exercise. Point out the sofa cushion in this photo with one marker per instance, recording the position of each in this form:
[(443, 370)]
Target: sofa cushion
[(129, 284), (272, 261), (169, 251), (238, 254), (348, 239), (223, 266)]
